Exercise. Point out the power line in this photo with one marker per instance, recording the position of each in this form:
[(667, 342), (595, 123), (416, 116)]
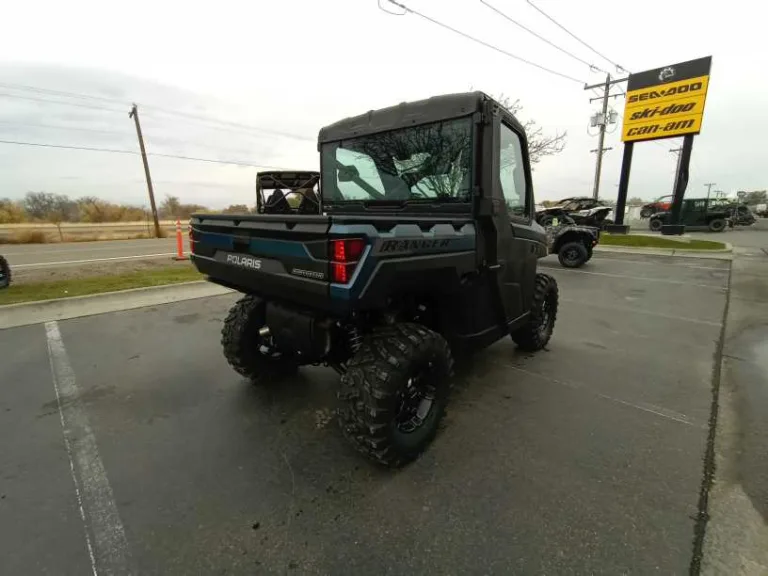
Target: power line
[(51, 92), (247, 127), (52, 127), (232, 162), (540, 37), (134, 153), (24, 97), (156, 139), (483, 42), (188, 116), (619, 67)]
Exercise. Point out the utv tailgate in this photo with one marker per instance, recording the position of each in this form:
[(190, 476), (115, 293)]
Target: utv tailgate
[(283, 257)]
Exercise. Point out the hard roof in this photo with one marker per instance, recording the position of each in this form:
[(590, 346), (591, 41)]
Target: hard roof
[(406, 114)]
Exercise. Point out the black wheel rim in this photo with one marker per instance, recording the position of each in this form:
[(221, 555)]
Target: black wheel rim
[(571, 255), (416, 402), (266, 347)]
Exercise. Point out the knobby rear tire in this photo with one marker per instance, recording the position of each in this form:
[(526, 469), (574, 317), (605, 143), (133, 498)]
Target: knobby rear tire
[(240, 341), (371, 392)]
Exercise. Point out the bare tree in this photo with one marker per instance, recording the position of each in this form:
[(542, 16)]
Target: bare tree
[(431, 160), (539, 143), (54, 208)]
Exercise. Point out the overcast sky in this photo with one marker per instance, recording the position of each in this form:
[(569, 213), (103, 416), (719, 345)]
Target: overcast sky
[(291, 66)]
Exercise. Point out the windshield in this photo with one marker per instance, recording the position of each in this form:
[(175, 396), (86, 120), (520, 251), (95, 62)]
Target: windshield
[(431, 163)]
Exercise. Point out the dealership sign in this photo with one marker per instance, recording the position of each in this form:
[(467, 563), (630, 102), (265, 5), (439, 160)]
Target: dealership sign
[(666, 102)]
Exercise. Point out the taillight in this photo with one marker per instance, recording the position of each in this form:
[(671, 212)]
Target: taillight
[(191, 239), (348, 250), (345, 255)]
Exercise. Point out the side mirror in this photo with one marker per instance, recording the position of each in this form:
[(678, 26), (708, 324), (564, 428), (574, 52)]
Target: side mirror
[(348, 173)]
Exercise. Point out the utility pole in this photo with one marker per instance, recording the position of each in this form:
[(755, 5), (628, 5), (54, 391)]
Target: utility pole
[(602, 119), (598, 166), (709, 187), (601, 138), (677, 152), (135, 115)]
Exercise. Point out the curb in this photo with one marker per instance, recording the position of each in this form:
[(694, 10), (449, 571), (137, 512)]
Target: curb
[(26, 313), (724, 254)]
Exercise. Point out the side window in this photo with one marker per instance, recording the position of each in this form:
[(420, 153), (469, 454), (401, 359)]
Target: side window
[(698, 205), (512, 172)]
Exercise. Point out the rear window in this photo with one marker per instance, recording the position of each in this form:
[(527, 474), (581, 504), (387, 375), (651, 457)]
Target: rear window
[(430, 163)]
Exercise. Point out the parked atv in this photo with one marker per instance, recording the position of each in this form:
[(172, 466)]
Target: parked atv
[(581, 211), (5, 273), (661, 204), (740, 215), (572, 244)]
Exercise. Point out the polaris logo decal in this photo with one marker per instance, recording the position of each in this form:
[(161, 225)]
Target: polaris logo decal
[(244, 261)]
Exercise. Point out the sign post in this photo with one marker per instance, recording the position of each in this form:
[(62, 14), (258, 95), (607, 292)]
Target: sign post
[(661, 103)]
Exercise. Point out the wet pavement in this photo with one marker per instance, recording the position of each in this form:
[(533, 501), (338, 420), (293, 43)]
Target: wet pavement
[(584, 458)]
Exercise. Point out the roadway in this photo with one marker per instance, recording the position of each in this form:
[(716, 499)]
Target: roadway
[(33, 256), (134, 447)]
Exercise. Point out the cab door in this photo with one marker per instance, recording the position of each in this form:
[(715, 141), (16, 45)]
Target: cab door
[(526, 241)]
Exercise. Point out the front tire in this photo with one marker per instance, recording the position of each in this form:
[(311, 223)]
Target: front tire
[(250, 354), (5, 273), (537, 331), (655, 224), (573, 254), (394, 393), (717, 225), (646, 212)]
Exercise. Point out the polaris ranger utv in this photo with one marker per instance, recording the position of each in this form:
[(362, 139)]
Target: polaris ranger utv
[(423, 245)]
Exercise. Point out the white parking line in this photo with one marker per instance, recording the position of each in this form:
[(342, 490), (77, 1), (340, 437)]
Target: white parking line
[(659, 262), (640, 278), (639, 311), (642, 406), (64, 262), (108, 549)]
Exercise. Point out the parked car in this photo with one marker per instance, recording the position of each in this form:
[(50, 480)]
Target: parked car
[(580, 211), (661, 204), (695, 213)]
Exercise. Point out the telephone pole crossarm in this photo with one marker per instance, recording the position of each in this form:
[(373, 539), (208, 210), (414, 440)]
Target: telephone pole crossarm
[(609, 83)]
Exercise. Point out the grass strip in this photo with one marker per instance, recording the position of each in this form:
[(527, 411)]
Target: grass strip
[(34, 291)]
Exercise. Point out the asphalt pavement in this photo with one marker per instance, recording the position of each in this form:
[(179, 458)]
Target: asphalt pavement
[(586, 458), (32, 256)]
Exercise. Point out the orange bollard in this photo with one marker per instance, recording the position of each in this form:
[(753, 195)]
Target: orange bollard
[(179, 243)]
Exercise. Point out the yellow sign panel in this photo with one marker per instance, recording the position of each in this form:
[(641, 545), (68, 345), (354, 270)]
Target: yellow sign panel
[(666, 102)]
